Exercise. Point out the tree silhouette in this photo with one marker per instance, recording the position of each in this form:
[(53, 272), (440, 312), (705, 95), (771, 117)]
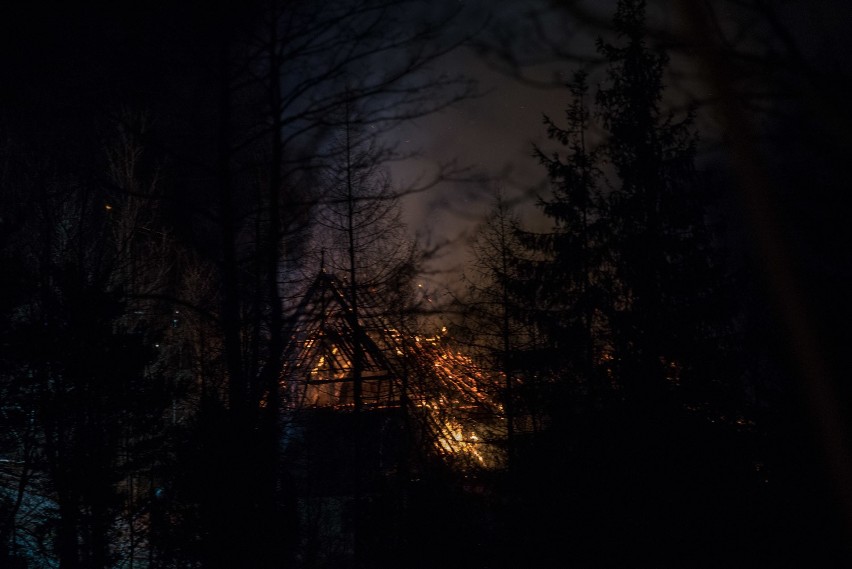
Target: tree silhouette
[(83, 366), (490, 326), (658, 237), (571, 278), (626, 290)]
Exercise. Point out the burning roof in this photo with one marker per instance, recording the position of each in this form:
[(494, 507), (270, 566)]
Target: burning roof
[(453, 401)]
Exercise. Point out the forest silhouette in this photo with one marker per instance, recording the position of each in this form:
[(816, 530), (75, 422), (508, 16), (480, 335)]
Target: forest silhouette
[(220, 347)]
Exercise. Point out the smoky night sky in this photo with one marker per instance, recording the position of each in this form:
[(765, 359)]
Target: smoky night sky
[(209, 346), (79, 60)]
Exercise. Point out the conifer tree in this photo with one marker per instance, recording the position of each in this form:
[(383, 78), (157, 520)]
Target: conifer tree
[(569, 276), (657, 238), (625, 286), (493, 322)]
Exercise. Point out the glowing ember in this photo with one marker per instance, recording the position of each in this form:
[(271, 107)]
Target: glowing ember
[(452, 399)]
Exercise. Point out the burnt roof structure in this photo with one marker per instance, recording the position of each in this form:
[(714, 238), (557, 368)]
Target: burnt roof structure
[(450, 400)]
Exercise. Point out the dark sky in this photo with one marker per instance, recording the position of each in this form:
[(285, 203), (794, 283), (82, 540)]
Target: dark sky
[(63, 62), (789, 75), (492, 134), (66, 64)]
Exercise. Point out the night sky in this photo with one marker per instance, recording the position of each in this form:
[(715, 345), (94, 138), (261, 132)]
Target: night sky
[(77, 60), (66, 63)]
